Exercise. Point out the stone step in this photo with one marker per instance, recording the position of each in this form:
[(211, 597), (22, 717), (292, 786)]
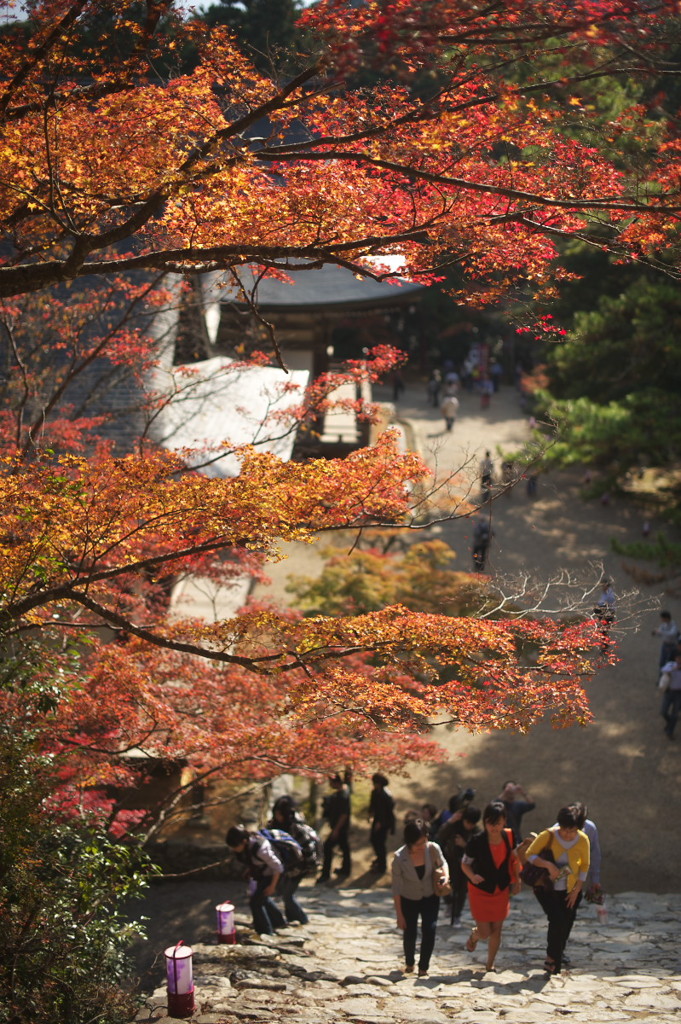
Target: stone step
[(345, 965)]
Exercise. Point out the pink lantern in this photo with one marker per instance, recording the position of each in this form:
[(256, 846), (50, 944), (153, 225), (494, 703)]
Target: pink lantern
[(180, 980), (225, 919)]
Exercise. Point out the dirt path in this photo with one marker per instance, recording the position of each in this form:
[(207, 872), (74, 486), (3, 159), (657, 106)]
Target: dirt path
[(621, 765)]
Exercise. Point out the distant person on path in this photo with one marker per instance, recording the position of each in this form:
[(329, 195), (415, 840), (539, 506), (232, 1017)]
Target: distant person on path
[(415, 868), (492, 869), (452, 838), (671, 696), (449, 408), (568, 869), (336, 810), (486, 476), (604, 612), (668, 632), (264, 869), (398, 385), (482, 536), (382, 815), (486, 470), (428, 814), (433, 388), (607, 598), (517, 803), (486, 392), (454, 809), (508, 476)]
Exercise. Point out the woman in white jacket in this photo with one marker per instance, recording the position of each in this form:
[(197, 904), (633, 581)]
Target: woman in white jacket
[(416, 867)]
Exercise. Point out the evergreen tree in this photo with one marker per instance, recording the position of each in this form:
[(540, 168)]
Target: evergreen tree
[(265, 28)]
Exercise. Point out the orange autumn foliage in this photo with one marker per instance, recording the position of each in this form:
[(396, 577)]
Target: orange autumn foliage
[(106, 169)]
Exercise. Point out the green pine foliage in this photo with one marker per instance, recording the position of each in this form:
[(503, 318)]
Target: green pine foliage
[(266, 29), (660, 550), (630, 342), (615, 381)]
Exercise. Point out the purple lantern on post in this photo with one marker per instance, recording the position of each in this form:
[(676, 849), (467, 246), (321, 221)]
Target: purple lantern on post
[(180, 980), (225, 922)]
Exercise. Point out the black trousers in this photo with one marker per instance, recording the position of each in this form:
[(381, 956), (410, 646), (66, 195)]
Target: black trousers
[(379, 838), (459, 884), (266, 914), (561, 919), (427, 909), (343, 844)]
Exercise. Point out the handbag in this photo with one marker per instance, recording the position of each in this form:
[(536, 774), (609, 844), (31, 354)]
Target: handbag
[(441, 886), (536, 877), (664, 681), (522, 848)]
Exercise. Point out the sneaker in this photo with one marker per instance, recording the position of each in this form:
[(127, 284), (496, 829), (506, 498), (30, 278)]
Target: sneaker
[(408, 969), (422, 974), (456, 923)]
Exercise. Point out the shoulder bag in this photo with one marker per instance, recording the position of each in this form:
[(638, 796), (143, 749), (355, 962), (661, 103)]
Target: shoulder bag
[(441, 886), (536, 877)]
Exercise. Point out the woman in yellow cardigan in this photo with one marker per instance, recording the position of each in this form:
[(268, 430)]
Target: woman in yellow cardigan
[(569, 848)]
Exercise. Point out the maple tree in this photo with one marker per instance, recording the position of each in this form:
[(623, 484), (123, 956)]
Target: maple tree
[(109, 169), (606, 375), (105, 168), (375, 575)]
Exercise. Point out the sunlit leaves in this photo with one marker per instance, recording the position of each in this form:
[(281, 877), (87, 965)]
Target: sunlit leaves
[(219, 166)]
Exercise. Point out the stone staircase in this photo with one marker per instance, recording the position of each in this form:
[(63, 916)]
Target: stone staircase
[(344, 966)]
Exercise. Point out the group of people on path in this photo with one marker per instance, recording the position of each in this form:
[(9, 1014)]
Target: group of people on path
[(491, 862), (457, 854), (277, 858), (275, 861), (474, 376)]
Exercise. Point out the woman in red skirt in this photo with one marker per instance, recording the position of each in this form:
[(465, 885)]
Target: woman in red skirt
[(492, 869)]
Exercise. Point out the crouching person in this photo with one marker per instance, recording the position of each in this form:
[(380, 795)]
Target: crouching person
[(263, 869)]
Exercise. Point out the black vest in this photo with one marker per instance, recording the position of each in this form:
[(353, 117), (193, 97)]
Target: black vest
[(483, 863)]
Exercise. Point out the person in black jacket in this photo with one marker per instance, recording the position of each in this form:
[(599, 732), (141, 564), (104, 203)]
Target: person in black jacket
[(336, 809), (452, 838), (382, 816), (491, 866)]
